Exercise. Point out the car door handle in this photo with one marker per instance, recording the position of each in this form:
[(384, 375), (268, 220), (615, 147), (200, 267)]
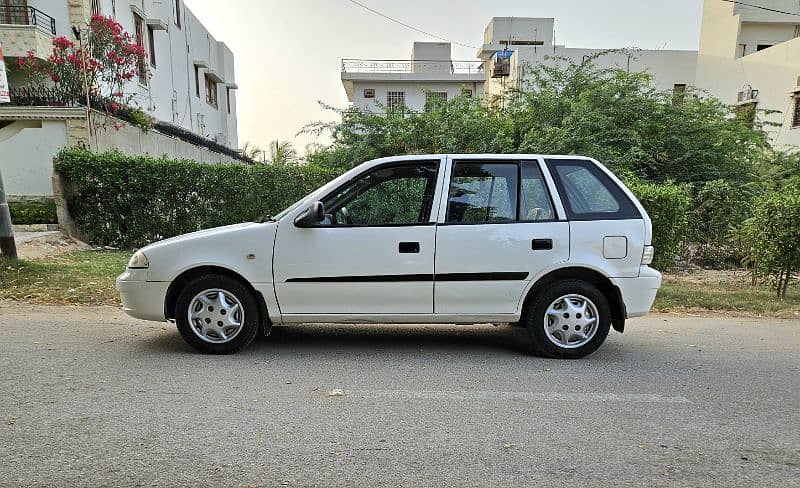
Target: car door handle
[(409, 248), (542, 244)]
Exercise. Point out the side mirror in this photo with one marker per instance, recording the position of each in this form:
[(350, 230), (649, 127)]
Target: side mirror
[(311, 216)]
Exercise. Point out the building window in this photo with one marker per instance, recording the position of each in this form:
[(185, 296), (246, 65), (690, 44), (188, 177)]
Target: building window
[(761, 47), (369, 93), (178, 13), (152, 42), (467, 92), (138, 23), (796, 112), (197, 81), (96, 10), (211, 92), (434, 100), (228, 99), (395, 100), (741, 50)]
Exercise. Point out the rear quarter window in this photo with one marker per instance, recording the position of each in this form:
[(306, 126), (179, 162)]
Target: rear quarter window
[(588, 193)]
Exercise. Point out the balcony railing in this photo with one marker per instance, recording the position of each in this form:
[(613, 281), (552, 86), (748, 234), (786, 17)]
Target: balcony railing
[(410, 66), (43, 97), (21, 15)]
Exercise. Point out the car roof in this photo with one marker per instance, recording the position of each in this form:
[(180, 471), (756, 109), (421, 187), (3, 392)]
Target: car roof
[(416, 157)]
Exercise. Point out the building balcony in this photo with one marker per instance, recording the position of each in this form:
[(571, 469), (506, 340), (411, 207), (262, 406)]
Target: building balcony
[(399, 66), (410, 71), (24, 29)]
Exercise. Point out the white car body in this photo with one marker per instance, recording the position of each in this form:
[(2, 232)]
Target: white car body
[(461, 273)]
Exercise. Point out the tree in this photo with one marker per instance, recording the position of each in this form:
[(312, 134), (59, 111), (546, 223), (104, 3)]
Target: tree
[(563, 107), (250, 150), (281, 153), (103, 65)]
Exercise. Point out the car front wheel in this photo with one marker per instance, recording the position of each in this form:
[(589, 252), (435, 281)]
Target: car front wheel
[(568, 320), (217, 314)]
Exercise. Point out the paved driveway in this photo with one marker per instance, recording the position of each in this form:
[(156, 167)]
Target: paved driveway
[(91, 397)]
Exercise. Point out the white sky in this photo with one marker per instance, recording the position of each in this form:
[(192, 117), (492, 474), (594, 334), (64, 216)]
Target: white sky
[(288, 53)]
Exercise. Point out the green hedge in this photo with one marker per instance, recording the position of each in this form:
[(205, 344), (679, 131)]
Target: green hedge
[(130, 201), (33, 212), (668, 206)]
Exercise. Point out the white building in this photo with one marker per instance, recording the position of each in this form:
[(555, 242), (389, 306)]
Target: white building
[(748, 56), (193, 82), (191, 90), (751, 56), (513, 44), (431, 72)]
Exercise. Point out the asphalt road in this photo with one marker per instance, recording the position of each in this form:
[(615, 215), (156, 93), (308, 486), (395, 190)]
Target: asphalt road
[(91, 397)]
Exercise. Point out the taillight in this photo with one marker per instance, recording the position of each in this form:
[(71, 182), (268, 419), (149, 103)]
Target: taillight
[(647, 256)]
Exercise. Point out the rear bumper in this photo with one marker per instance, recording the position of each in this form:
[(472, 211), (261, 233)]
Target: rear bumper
[(639, 293), (142, 299)]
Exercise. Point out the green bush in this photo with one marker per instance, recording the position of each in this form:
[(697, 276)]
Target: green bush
[(130, 201), (718, 209), (33, 212), (668, 206), (774, 237)]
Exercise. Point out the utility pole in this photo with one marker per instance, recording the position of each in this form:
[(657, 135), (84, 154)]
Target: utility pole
[(7, 245)]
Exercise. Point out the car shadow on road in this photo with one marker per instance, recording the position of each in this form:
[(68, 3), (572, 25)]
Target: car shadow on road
[(358, 338)]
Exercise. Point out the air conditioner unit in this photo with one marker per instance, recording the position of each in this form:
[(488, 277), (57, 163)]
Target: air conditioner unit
[(501, 68), (747, 95)]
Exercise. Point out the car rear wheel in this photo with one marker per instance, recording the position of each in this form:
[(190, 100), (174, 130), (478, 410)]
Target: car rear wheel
[(217, 314), (568, 320)]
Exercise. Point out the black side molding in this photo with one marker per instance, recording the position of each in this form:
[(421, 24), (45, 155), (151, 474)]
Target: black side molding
[(414, 277)]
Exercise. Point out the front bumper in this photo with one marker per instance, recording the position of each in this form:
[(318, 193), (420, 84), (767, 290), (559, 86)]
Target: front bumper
[(639, 293), (142, 299)]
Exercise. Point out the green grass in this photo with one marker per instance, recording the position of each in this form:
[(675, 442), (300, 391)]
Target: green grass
[(79, 278), (87, 278), (678, 295)]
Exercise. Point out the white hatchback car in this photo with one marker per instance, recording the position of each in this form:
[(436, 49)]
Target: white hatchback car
[(555, 243)]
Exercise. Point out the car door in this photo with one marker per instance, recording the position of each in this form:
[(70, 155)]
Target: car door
[(372, 254), (498, 229)]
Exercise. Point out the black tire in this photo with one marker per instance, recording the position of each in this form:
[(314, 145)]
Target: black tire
[(536, 311), (250, 309)]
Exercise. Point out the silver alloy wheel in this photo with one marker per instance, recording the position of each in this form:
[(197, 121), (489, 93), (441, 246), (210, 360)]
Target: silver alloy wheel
[(571, 321), (216, 316)]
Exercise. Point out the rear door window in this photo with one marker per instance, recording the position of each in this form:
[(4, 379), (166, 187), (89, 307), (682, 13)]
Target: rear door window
[(483, 193), (588, 192)]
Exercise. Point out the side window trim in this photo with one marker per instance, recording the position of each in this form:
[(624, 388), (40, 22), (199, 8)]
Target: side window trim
[(555, 201), (555, 196), (433, 212)]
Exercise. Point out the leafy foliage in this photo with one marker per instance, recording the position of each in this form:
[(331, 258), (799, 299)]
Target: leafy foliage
[(774, 236), (103, 65), (615, 116), (668, 206), (719, 207), (33, 212), (128, 201)]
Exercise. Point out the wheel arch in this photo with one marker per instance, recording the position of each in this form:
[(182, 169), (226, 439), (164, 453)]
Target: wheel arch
[(188, 275), (609, 290)]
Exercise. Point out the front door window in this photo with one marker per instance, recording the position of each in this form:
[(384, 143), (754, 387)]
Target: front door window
[(394, 195)]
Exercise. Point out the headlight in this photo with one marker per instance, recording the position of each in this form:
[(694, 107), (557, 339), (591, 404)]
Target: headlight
[(139, 261), (647, 256)]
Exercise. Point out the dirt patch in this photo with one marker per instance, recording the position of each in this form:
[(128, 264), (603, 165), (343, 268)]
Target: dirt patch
[(34, 245), (710, 276)]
